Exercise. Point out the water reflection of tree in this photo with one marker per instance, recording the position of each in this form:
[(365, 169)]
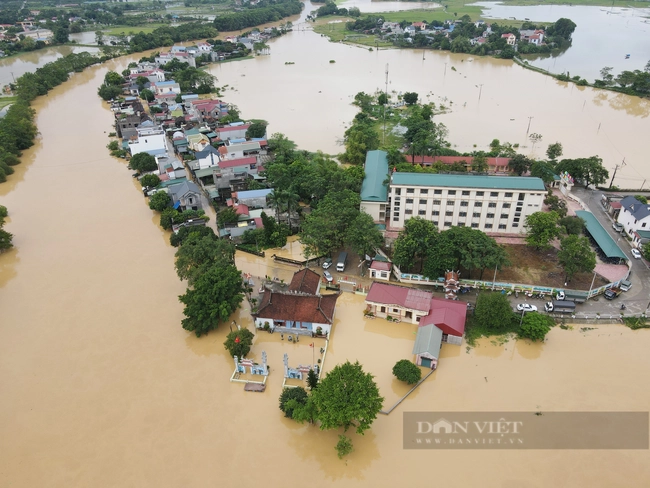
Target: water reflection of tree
[(556, 53), (8, 263), (635, 106), (311, 443), (529, 349)]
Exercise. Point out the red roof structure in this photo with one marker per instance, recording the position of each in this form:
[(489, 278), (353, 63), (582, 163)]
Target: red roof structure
[(381, 266), (402, 296), (230, 163), (466, 160), (305, 281), (231, 128), (242, 209), (448, 315), (297, 308)]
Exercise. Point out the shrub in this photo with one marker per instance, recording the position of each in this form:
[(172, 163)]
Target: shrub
[(298, 394), (238, 342), (405, 370), (344, 446)]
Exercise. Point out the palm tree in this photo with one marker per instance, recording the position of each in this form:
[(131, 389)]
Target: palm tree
[(277, 199), (291, 200)]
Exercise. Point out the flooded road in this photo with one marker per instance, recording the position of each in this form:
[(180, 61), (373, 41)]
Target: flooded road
[(102, 387)]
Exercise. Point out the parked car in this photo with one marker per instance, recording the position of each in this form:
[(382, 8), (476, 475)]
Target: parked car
[(526, 307), (560, 295), (636, 253), (327, 263), (617, 227), (612, 293), (328, 276), (625, 285)]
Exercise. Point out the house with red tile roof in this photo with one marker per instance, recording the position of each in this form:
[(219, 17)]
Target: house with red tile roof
[(296, 313), (418, 307), (305, 281), (495, 165), (380, 270)]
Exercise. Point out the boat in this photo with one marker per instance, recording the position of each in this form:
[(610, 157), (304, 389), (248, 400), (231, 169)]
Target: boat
[(627, 56)]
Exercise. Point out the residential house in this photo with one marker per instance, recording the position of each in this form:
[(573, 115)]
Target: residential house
[(207, 111), (235, 130), (490, 203), (634, 216), (196, 141), (380, 270), (164, 58), (420, 26), (185, 195), (207, 158), (244, 149), (511, 39), (450, 317), (427, 346), (253, 198), (166, 87), (409, 29), (127, 123), (170, 167), (204, 47), (150, 139), (533, 36)]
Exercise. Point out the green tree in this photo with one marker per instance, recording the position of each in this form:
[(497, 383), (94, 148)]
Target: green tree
[(99, 38), (298, 395), (199, 253), (542, 228), (363, 236), (147, 95), (572, 225), (535, 326), (606, 75), (479, 163), (109, 92), (312, 379), (256, 130), (159, 201), (519, 164), (177, 238), (344, 446), (324, 230), (238, 342), (303, 413), (494, 312), (3, 214), (575, 256), (150, 181), (113, 78), (382, 99), (410, 98), (405, 370), (543, 170), (216, 294), (414, 241), (227, 216), (641, 198), (347, 397), (554, 151), (143, 162), (394, 156), (556, 205)]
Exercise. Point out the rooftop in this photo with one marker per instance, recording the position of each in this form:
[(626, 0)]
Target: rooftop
[(376, 169), (299, 308), (231, 163), (448, 315), (253, 193), (638, 210), (231, 128), (402, 296), (469, 181), (600, 235), (305, 281), (428, 340)]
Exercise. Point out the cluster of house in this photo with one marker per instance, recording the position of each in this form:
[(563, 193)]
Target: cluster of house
[(221, 159), (494, 204), (631, 215), (438, 320), (532, 36), (30, 29)]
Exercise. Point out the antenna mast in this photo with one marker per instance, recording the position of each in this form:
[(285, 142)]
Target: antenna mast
[(386, 93)]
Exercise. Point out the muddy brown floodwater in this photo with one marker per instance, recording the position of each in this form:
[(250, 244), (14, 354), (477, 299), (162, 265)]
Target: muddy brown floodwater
[(100, 385)]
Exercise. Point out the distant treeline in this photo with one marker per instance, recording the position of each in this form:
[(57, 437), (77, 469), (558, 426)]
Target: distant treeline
[(167, 36), (17, 128), (269, 12)]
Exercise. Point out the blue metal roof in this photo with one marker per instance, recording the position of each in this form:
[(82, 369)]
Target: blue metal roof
[(177, 204), (254, 193), (376, 172)]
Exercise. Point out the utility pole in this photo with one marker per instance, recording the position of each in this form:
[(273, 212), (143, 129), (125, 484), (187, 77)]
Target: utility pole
[(529, 121), (480, 90), (386, 93), (445, 74), (615, 170), (12, 75)]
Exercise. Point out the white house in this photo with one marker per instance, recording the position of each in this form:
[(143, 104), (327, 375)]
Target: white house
[(634, 215), (242, 150), (236, 130), (208, 157), (151, 139), (511, 39), (166, 87)]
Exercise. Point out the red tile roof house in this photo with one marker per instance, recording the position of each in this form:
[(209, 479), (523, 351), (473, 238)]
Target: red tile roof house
[(419, 307), (296, 313), (495, 165), (380, 270)]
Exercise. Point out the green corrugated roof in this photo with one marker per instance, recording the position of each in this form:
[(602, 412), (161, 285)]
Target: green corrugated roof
[(200, 173), (180, 142), (165, 184), (376, 169), (214, 193), (643, 234), (469, 181), (600, 235), (429, 340)]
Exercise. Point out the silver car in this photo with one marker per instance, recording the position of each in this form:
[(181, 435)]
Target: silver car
[(328, 276), (526, 307)]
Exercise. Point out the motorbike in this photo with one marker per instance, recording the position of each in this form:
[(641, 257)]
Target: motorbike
[(622, 306)]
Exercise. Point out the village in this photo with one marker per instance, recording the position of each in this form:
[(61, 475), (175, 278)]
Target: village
[(207, 159)]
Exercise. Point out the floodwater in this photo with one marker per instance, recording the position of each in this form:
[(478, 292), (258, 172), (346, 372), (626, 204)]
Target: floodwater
[(102, 387), (312, 100), (603, 36)]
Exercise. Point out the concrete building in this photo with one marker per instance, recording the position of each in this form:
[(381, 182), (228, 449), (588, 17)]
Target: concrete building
[(493, 204), (634, 216)]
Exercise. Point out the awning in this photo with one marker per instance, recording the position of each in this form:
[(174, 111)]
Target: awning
[(177, 205), (603, 239)]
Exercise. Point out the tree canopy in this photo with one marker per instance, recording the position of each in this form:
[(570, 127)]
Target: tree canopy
[(199, 252), (405, 370), (143, 162), (576, 255), (494, 312), (238, 342), (535, 326), (541, 229), (347, 397), (160, 200)]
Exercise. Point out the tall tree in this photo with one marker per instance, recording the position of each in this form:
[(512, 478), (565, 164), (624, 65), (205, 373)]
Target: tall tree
[(143, 162), (363, 236), (199, 253), (493, 311), (543, 170), (542, 228), (347, 397), (479, 163), (238, 342), (215, 295), (576, 256), (414, 242), (519, 164), (554, 151), (535, 326)]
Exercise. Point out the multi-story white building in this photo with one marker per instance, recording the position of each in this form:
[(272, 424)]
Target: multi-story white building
[(492, 204)]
